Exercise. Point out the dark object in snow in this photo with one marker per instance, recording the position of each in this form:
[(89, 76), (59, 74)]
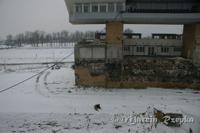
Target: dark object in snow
[(196, 92), (69, 91), (169, 119), (73, 66), (57, 66), (97, 107), (190, 130), (77, 128), (159, 115), (117, 126), (55, 131), (98, 124)]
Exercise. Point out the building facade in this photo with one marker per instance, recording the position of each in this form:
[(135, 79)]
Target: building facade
[(115, 59), (134, 11)]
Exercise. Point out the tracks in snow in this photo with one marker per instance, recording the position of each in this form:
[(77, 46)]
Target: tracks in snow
[(45, 87), (41, 85)]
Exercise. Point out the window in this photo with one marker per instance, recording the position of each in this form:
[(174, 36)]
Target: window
[(135, 36), (111, 7), (140, 49), (177, 49), (78, 8), (86, 7), (103, 7), (164, 49), (95, 7), (127, 49), (119, 7), (156, 37)]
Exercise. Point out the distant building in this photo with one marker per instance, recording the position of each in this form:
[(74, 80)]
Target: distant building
[(115, 59), (134, 11), (160, 45)]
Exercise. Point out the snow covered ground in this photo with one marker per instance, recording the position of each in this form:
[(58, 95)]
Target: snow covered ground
[(51, 103), (31, 55)]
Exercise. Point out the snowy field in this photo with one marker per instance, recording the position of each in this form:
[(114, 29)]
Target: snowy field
[(31, 55), (51, 103)]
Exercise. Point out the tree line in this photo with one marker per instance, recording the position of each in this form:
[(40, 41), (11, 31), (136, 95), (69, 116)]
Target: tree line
[(40, 37)]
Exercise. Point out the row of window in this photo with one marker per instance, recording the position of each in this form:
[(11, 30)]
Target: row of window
[(164, 49), (141, 49), (98, 7)]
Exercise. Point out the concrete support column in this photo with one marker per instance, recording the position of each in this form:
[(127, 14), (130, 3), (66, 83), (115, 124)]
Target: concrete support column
[(191, 41), (114, 33)]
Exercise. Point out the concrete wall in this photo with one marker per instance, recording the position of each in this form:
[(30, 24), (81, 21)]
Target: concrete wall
[(99, 53), (196, 53), (84, 77), (140, 72), (135, 18), (114, 33), (90, 53), (191, 40), (95, 53), (197, 34), (127, 18), (114, 52), (85, 53), (188, 40)]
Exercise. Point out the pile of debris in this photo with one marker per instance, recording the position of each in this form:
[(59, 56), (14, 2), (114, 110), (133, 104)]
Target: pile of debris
[(169, 119)]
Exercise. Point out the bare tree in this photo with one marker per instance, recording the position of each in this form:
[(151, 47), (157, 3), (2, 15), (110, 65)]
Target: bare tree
[(9, 40), (19, 39), (128, 30), (38, 37)]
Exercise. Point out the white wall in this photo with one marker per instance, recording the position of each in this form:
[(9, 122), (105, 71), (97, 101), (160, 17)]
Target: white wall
[(98, 53), (91, 53), (85, 53)]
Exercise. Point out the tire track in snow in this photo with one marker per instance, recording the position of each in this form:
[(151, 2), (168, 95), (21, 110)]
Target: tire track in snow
[(45, 81), (40, 84)]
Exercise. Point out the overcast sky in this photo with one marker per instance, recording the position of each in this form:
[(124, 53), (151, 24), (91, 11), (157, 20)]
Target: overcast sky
[(51, 15)]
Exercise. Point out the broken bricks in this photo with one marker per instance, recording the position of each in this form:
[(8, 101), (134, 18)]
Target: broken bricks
[(169, 119)]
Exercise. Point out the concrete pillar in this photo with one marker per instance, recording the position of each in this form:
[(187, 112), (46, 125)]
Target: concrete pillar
[(114, 33), (191, 41)]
